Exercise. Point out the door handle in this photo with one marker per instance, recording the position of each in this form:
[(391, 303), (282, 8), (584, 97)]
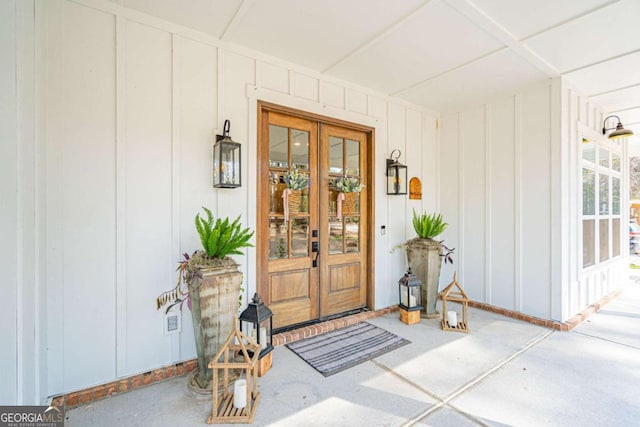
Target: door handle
[(315, 247)]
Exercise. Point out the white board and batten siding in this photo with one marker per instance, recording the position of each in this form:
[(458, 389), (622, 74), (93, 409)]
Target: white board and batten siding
[(130, 105), (495, 177), (510, 180), (118, 111)]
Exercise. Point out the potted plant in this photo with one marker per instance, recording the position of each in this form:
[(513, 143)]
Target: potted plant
[(210, 283), (425, 255), (296, 182), (348, 189)]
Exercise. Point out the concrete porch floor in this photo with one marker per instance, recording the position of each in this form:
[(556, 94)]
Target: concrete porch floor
[(504, 373)]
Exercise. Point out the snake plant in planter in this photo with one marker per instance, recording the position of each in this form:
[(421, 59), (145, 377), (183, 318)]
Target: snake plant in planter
[(210, 283), (425, 255)]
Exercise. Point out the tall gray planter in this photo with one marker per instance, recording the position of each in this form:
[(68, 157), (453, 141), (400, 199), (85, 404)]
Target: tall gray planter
[(425, 261), (214, 304)]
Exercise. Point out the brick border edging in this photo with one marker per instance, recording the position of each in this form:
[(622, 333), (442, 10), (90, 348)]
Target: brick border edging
[(80, 397), (91, 394), (565, 326), (330, 325)]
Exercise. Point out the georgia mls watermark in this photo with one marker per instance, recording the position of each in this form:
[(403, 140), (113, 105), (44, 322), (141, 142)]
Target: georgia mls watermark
[(31, 416)]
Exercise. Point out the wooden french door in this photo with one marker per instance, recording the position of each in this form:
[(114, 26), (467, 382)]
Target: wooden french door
[(312, 263)]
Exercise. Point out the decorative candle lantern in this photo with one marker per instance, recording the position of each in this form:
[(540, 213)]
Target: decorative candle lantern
[(396, 175), (226, 160), (410, 292), (257, 321), (236, 354), (450, 321)]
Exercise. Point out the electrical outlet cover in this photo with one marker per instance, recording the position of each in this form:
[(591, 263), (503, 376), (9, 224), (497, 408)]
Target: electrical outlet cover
[(172, 323)]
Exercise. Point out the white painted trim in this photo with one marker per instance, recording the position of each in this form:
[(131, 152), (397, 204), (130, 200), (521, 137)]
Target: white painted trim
[(121, 199), (461, 211), (41, 320), (517, 108), (241, 11), (488, 24), (20, 73), (558, 199), (488, 213), (290, 101), (176, 155)]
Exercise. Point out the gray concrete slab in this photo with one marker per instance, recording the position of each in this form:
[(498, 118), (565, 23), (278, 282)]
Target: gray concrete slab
[(505, 373), (447, 417), (618, 321), (568, 379), (292, 394), (443, 362)]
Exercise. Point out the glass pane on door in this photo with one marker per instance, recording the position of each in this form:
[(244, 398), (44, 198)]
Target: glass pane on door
[(353, 158), (278, 146)]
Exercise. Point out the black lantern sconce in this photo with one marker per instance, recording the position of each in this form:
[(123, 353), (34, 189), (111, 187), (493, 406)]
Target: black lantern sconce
[(396, 175), (410, 293), (619, 132), (226, 160), (256, 321)]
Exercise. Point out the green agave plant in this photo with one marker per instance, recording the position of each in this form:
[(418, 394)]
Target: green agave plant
[(428, 226), (220, 237)]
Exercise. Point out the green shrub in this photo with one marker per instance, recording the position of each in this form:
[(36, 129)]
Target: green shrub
[(428, 226), (220, 238)]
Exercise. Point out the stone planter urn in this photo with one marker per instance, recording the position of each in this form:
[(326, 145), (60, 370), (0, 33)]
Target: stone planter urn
[(425, 260), (214, 304)]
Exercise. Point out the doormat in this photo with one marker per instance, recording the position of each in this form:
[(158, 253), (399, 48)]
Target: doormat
[(338, 350)]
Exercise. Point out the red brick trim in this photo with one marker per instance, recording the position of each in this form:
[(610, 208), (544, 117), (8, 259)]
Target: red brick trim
[(330, 325), (73, 399), (80, 397), (551, 324)]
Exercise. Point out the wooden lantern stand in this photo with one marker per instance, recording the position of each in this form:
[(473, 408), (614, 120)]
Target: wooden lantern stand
[(242, 347), (454, 293)]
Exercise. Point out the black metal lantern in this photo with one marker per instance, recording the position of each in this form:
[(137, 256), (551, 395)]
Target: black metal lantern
[(396, 175), (410, 293), (226, 160), (256, 321)]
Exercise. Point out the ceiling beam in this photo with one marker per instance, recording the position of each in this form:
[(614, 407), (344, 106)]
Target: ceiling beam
[(488, 24), (237, 17), (377, 37)]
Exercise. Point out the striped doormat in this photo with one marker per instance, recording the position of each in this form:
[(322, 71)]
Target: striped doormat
[(338, 350)]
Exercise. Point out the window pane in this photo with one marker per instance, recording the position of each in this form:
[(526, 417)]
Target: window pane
[(604, 194), (604, 239), (299, 237), (278, 146), (352, 230), (604, 158), (278, 239), (335, 236), (588, 192), (353, 158), (615, 162), (615, 238), (300, 149), (615, 195), (276, 185), (588, 242), (335, 155), (588, 150)]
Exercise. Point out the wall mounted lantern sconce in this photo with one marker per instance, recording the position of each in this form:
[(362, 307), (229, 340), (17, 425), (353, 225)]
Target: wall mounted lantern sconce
[(396, 175), (226, 160), (619, 132)]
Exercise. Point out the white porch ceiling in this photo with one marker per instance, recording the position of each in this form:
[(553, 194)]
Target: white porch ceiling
[(440, 54)]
